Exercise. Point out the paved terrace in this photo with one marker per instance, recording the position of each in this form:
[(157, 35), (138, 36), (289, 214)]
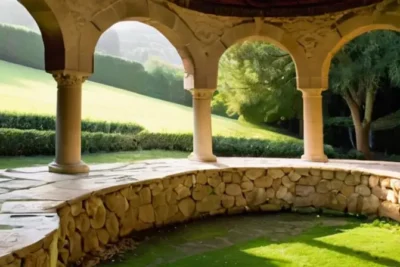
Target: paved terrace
[(29, 197)]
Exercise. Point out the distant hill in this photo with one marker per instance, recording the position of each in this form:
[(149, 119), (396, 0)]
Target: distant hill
[(131, 40)]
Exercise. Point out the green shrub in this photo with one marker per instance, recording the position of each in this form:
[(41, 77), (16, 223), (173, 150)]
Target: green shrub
[(15, 142), (44, 122)]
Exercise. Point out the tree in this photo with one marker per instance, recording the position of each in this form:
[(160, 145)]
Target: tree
[(257, 81), (358, 71)]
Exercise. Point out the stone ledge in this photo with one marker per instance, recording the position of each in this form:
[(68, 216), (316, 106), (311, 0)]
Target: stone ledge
[(115, 200)]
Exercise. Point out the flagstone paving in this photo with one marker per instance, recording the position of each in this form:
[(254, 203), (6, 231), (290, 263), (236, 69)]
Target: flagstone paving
[(30, 196)]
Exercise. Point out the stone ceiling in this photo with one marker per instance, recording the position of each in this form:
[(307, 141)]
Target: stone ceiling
[(271, 8)]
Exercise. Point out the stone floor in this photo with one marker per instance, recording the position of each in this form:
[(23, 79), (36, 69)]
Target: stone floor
[(29, 197)]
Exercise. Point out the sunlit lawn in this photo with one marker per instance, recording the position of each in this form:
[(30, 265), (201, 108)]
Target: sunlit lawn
[(15, 162), (28, 90), (352, 245)]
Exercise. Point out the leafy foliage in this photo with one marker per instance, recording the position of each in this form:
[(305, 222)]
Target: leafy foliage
[(254, 79)]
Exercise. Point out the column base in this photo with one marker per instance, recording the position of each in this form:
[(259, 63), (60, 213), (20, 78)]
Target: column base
[(315, 158), (81, 167), (209, 158)]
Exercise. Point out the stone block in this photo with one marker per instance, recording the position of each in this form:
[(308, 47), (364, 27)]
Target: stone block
[(363, 190), (304, 190), (275, 173), (233, 190), (187, 206), (253, 174)]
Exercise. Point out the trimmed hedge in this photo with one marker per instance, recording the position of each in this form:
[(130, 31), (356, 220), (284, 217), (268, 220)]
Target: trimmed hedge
[(45, 122), (15, 142), (227, 146)]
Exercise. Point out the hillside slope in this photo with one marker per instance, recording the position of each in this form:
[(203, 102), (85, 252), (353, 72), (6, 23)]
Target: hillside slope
[(27, 90)]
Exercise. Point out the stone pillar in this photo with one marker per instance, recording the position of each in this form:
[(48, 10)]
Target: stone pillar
[(68, 127), (202, 134), (313, 126)]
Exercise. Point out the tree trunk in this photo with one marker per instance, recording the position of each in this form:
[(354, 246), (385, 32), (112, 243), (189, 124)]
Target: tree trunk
[(361, 129)]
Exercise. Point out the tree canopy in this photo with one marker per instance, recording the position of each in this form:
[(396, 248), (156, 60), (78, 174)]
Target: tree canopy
[(258, 82)]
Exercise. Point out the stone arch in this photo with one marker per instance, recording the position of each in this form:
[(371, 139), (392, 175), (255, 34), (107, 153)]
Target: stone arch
[(51, 32), (349, 30), (147, 12), (271, 34)]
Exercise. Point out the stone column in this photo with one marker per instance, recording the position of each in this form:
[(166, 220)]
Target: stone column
[(202, 134), (68, 126), (313, 126)]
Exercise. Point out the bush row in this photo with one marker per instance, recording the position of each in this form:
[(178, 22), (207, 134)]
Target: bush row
[(46, 122), (15, 142)]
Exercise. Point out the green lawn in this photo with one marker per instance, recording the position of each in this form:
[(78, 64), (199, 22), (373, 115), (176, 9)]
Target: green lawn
[(322, 242), (27, 90), (15, 162)]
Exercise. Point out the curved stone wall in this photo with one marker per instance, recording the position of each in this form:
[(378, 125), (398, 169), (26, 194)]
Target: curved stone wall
[(113, 202), (89, 224)]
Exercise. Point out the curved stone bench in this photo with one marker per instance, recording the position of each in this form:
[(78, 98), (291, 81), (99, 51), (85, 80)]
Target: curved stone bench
[(116, 200)]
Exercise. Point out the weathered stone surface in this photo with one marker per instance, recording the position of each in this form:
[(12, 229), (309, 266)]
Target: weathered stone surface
[(236, 178), (228, 201), (182, 192), (313, 180), (365, 180), (354, 203), (240, 201), (201, 191), (315, 172), (303, 171), (233, 190), (328, 175), (220, 189), (146, 213), (288, 197), (117, 203), (294, 176), (363, 190), (347, 190), (187, 206), (189, 180), (370, 204), (159, 200), (392, 196), (323, 186), (256, 197), (270, 207), (263, 182), (281, 193), (75, 247), (380, 192), (337, 202), (161, 213), (302, 201), (389, 210), (171, 196), (304, 190), (352, 179), (373, 181), (76, 208), (145, 196), (227, 177), (270, 193), (253, 174), (287, 182), (340, 175), (214, 180), (336, 185), (82, 222), (157, 188), (177, 180), (112, 226), (90, 241), (129, 193), (276, 183), (201, 178), (129, 221), (247, 186), (275, 173), (103, 236), (385, 182), (303, 181), (211, 202), (319, 200)]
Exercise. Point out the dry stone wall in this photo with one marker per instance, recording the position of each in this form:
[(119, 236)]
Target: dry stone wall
[(89, 225)]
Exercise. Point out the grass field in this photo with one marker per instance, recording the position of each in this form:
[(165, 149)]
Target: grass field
[(27, 90)]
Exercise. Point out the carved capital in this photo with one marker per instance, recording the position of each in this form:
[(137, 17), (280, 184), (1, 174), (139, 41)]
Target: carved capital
[(69, 80), (202, 93), (312, 92)]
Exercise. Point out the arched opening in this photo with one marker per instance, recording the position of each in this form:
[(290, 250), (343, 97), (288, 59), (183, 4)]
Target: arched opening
[(254, 77), (364, 82)]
